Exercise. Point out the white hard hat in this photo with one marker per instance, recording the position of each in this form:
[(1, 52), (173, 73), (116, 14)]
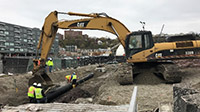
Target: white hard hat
[(39, 85), (35, 84)]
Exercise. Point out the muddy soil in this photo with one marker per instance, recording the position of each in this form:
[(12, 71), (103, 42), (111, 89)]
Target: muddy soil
[(103, 88), (13, 89)]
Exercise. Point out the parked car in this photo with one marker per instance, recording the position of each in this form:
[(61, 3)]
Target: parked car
[(68, 58)]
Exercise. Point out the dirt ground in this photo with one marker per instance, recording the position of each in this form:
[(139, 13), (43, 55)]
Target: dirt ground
[(103, 88)]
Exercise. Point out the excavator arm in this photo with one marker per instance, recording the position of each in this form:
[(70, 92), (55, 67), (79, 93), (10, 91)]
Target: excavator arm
[(94, 21)]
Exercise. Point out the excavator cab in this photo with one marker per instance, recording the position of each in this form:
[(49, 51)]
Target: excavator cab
[(137, 42)]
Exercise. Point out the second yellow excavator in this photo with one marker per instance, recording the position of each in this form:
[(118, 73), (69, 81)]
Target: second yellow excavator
[(141, 52)]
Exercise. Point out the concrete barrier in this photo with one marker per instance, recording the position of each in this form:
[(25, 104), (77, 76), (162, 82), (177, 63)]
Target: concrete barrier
[(23, 65), (180, 95), (16, 65), (190, 103)]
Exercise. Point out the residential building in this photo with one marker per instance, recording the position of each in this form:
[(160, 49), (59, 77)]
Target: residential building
[(16, 40), (72, 33)]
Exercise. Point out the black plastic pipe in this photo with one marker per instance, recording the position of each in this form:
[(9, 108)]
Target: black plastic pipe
[(59, 91)]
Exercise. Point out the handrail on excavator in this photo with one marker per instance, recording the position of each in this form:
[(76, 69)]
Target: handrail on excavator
[(84, 15)]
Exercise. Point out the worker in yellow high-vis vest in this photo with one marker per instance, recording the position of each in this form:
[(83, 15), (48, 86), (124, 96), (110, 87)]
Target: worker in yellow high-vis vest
[(50, 64), (39, 94), (72, 78), (31, 91)]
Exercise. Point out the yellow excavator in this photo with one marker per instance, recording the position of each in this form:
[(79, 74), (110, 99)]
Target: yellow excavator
[(141, 52)]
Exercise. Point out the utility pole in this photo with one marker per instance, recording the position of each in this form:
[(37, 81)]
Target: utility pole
[(143, 24), (162, 29)]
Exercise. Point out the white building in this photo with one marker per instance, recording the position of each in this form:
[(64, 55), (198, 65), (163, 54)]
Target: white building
[(120, 51)]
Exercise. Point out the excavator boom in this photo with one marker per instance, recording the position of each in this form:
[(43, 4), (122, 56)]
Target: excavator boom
[(94, 21)]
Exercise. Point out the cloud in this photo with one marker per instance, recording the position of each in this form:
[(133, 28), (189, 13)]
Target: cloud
[(178, 15)]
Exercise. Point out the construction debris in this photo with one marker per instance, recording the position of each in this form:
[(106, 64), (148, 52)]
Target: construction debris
[(63, 107)]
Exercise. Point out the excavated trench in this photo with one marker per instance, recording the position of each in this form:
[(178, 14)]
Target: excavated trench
[(14, 88), (72, 95), (83, 93)]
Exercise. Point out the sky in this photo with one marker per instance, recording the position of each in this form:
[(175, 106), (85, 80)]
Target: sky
[(178, 16)]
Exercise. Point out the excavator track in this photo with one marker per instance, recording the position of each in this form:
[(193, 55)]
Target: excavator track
[(150, 73), (169, 71)]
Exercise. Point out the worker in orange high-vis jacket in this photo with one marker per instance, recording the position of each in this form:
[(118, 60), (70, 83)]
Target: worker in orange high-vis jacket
[(72, 78), (31, 91)]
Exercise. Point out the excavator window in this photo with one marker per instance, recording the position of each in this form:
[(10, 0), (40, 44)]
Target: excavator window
[(146, 41), (135, 41), (138, 41)]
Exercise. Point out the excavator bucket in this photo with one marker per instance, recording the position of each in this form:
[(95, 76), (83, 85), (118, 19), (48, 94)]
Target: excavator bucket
[(41, 77), (39, 74)]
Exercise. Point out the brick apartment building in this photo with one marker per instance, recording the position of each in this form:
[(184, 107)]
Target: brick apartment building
[(72, 33)]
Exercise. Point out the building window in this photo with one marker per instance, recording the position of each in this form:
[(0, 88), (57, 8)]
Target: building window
[(2, 43), (17, 49), (25, 35), (29, 31), (21, 50), (29, 37), (2, 32), (25, 50), (7, 44), (2, 49), (6, 32), (16, 44), (16, 29), (12, 49), (11, 33), (21, 30), (17, 39), (2, 26), (11, 28), (25, 30), (7, 28), (12, 44), (25, 40), (16, 34)]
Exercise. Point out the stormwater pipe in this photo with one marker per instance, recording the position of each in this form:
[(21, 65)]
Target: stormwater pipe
[(61, 90)]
